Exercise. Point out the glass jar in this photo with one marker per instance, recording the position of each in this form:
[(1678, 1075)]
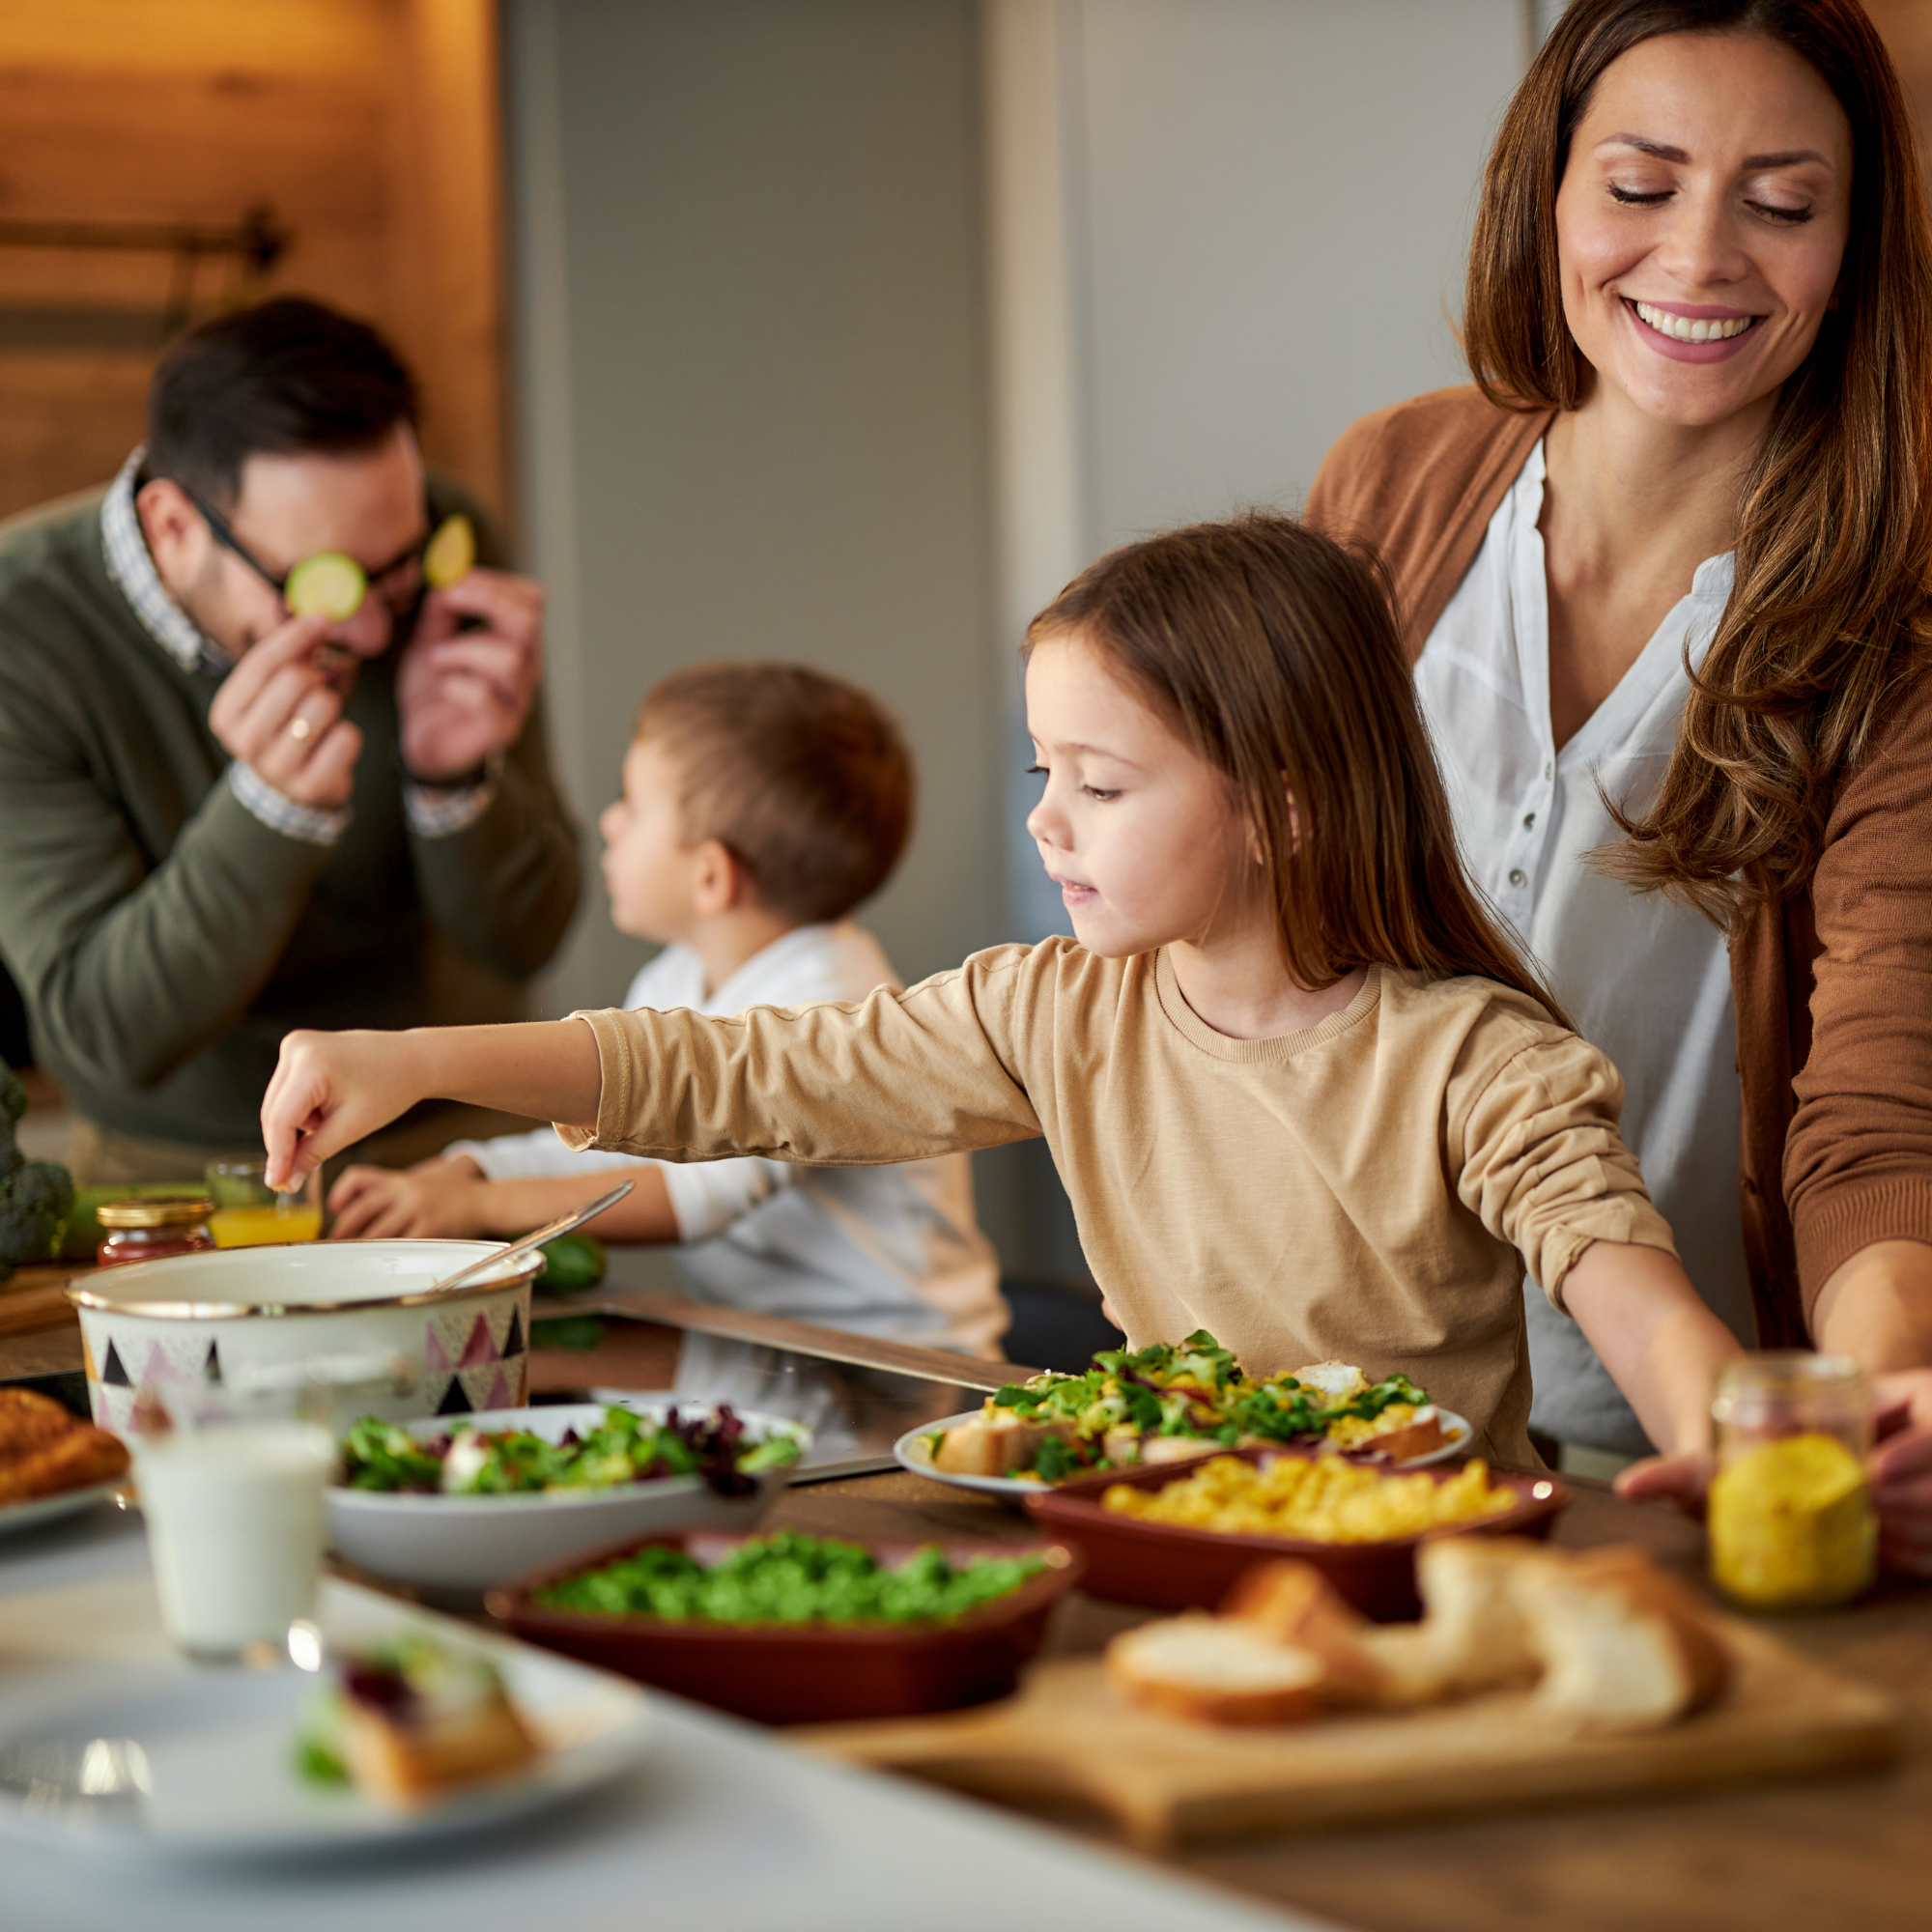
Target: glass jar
[(150, 1226), (1791, 1517)]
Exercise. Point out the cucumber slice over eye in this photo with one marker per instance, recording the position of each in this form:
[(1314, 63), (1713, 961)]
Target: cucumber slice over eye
[(327, 585), (452, 553)]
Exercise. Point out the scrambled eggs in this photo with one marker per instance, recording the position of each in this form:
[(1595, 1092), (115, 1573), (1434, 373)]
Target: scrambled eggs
[(1322, 1498)]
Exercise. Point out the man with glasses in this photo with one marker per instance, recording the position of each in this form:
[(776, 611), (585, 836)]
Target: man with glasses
[(220, 819)]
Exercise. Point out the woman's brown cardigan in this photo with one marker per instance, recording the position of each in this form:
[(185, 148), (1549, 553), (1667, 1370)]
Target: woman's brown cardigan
[(1834, 985)]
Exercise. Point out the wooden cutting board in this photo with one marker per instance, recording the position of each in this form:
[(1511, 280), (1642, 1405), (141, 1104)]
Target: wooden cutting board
[(1067, 1741), (33, 1299)]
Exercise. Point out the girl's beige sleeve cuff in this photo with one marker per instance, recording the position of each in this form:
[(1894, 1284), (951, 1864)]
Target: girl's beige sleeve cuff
[(617, 1084)]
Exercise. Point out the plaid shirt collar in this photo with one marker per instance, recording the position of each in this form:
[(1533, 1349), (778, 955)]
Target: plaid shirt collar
[(133, 572)]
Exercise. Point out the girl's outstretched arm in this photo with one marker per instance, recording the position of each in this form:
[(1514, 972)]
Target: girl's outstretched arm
[(331, 1089), (1661, 1345)]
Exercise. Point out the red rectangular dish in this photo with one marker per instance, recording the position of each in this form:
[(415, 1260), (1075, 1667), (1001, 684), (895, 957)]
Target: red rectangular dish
[(1173, 1567), (804, 1673)]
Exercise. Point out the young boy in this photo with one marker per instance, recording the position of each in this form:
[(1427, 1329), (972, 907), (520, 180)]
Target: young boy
[(761, 804)]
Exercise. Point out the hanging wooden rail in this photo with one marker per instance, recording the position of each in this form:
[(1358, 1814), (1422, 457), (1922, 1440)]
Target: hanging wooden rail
[(258, 241)]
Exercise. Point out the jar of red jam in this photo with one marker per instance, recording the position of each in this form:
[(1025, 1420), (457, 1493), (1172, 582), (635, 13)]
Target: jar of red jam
[(150, 1226)]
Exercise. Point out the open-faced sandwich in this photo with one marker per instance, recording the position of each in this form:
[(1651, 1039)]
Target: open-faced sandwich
[(1173, 1399), (411, 1722)]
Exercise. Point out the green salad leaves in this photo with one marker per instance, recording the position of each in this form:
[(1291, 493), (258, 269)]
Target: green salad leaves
[(625, 1447), (789, 1579)]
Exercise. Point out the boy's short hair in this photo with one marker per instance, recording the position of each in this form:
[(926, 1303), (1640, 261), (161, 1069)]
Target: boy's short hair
[(804, 778)]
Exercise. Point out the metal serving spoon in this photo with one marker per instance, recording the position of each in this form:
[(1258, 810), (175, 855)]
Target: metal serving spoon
[(562, 1225)]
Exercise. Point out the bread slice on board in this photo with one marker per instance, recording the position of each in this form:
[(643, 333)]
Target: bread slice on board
[(1624, 1647), (1291, 1603), (1216, 1671)]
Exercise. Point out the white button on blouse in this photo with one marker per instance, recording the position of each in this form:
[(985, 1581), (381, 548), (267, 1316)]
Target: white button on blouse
[(1646, 981)]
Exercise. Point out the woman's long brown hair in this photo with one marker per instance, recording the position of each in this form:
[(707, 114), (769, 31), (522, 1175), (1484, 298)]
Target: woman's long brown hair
[(1272, 651), (1833, 541)]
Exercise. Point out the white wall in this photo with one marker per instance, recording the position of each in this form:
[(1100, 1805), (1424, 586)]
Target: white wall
[(750, 359), (1222, 230)]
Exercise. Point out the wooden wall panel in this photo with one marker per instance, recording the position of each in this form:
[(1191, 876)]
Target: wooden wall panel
[(371, 129)]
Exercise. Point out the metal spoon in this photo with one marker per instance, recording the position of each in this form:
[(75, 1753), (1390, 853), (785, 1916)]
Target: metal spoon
[(575, 1218)]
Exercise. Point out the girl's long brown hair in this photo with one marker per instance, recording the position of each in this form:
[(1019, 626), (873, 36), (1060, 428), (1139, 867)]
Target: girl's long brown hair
[(1272, 651), (1834, 543)]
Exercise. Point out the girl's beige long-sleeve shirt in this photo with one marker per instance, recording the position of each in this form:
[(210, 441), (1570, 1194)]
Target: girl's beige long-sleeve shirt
[(1367, 1190)]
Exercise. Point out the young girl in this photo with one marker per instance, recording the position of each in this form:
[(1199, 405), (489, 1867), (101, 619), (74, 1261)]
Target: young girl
[(1301, 1091)]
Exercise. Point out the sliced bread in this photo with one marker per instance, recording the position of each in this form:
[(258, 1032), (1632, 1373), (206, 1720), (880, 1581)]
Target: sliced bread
[(1216, 1671), (1291, 1603), (1624, 1646)]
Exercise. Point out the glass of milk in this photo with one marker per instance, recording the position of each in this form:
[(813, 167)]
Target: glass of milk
[(235, 1530)]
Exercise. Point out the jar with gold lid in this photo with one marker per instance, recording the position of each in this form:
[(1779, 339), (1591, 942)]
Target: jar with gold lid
[(152, 1226), (1791, 1517)]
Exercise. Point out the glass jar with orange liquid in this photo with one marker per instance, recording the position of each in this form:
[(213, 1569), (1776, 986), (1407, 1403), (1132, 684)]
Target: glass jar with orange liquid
[(248, 1214)]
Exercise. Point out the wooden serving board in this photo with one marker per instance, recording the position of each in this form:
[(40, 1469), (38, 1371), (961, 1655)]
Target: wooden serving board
[(33, 1297), (1068, 1742)]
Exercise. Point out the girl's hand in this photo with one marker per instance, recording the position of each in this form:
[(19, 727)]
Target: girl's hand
[(1680, 1479), (1900, 1470), (434, 1198), (328, 1090)]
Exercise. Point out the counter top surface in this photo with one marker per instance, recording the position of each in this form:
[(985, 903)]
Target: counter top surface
[(724, 1829)]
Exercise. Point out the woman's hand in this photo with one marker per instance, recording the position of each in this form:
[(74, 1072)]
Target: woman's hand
[(446, 1196), (331, 1090), (1901, 1471)]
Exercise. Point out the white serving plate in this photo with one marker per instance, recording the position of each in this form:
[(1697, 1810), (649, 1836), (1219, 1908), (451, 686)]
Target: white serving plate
[(474, 1543), (914, 1451), (198, 1327), (50, 1509), (219, 1746)]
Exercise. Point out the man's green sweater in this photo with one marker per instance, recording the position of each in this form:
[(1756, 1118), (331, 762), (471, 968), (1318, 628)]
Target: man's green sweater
[(164, 936)]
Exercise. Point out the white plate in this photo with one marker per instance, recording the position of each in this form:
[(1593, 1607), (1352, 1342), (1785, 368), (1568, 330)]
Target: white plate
[(49, 1509), (473, 1543), (914, 1451), (219, 1746)]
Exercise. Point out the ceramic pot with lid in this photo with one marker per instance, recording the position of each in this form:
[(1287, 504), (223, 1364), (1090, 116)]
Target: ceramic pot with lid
[(246, 1318)]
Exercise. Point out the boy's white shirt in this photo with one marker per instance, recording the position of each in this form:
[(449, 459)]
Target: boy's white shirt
[(891, 1251)]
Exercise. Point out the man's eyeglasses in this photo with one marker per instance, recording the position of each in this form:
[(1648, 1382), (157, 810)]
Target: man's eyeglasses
[(399, 583)]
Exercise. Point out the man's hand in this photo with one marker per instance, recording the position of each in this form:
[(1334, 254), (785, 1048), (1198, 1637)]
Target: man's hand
[(328, 1090), (463, 695), (439, 1197), (279, 712)]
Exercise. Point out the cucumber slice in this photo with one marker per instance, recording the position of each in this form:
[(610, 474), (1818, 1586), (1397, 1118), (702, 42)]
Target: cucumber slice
[(327, 585), (452, 553)]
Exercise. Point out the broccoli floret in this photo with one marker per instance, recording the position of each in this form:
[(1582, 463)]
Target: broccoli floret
[(35, 1201), (12, 1096)]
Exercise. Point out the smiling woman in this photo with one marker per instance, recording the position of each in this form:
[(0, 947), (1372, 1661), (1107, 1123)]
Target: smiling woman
[(1664, 582)]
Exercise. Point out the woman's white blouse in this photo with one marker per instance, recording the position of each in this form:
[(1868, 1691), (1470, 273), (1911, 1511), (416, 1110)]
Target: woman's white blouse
[(1645, 979)]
